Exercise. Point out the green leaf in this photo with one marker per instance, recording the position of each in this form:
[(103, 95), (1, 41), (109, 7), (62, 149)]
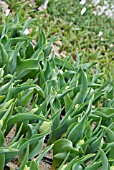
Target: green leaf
[(34, 166), (43, 153), (32, 140), (57, 133), (48, 49), (5, 87), (77, 167), (6, 118), (105, 164), (25, 100), (59, 156), (27, 23), (1, 138), (2, 161), (62, 165), (20, 88), (42, 39), (76, 130), (29, 50), (25, 67), (82, 160), (7, 104), (4, 55), (23, 117), (71, 163), (1, 72), (63, 145), (23, 163), (68, 102), (2, 97), (96, 144), (13, 60), (95, 165), (16, 137), (56, 106), (8, 150), (83, 91), (36, 148)]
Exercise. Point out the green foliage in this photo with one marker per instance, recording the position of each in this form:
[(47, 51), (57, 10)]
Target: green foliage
[(42, 94)]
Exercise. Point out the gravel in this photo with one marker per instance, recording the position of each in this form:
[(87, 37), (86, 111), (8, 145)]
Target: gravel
[(105, 7)]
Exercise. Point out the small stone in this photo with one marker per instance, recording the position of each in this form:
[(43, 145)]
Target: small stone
[(83, 10)]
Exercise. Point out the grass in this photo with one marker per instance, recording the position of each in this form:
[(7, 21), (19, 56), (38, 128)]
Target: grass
[(56, 87), (78, 33)]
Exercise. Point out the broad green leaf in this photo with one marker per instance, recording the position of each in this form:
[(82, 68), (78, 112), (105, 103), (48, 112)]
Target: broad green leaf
[(23, 117), (25, 67), (45, 127), (60, 156), (76, 130), (34, 166), (63, 145)]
